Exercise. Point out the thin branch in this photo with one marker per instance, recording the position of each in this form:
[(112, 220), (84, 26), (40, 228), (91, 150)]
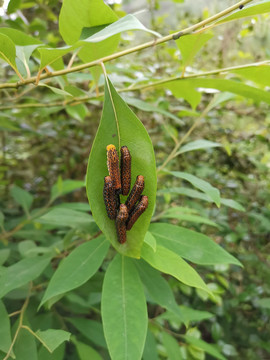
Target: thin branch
[(174, 36), (20, 325), (187, 134), (79, 100)]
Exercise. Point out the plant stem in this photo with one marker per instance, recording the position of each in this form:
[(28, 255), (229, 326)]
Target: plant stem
[(183, 139), (79, 100), (174, 36)]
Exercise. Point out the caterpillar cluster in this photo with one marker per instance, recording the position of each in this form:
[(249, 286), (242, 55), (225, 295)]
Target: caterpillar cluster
[(118, 182)]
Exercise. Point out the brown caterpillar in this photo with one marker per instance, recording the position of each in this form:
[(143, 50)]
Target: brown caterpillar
[(125, 170), (138, 210), (113, 167), (110, 197), (135, 193), (121, 224)]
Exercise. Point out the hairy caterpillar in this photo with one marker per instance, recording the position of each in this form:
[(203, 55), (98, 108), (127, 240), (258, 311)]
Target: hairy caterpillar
[(135, 193), (113, 167), (138, 210), (110, 197), (125, 170), (120, 222)]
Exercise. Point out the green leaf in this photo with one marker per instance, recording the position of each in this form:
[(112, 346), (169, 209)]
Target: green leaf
[(4, 254), (126, 23), (91, 329), (232, 204), (75, 16), (63, 187), (13, 5), (263, 303), (58, 354), (157, 287), (25, 347), (123, 309), (197, 145), (235, 87), (52, 338), (22, 197), (49, 55), (209, 349), (150, 240), (150, 349), (146, 106), (189, 45), (260, 74), (78, 111), (77, 268), (85, 351), (170, 263), (191, 245), (185, 90), (59, 216), (249, 10), (22, 272), (20, 38), (171, 346), (187, 315), (200, 184), (55, 90), (174, 213), (8, 50), (5, 336), (123, 129)]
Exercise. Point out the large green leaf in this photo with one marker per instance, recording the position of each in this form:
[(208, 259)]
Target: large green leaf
[(7, 50), (120, 126), (123, 309), (208, 348), (197, 145), (91, 329), (66, 217), (52, 338), (77, 268), (170, 263), (259, 74), (235, 87), (22, 197), (5, 337), (189, 45), (22, 272), (200, 184), (157, 287), (150, 350), (249, 10), (76, 15), (191, 245), (172, 347)]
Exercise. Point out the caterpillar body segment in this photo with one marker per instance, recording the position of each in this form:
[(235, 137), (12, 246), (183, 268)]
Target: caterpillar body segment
[(120, 222), (113, 167), (138, 210), (110, 197), (125, 170), (135, 193)]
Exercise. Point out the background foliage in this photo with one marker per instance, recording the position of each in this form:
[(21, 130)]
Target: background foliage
[(205, 129)]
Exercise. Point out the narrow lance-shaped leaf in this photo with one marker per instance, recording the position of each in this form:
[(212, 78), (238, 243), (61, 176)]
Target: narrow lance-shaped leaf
[(8, 50), (123, 309), (5, 337), (120, 126), (204, 186), (191, 245), (170, 263), (77, 268)]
